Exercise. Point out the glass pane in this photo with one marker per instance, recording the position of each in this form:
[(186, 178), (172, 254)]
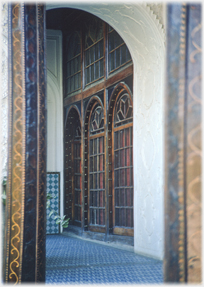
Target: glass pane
[(87, 76), (101, 49), (79, 80), (72, 67), (117, 223), (68, 69), (96, 51), (127, 157), (127, 197), (118, 39), (91, 164), (123, 216), (95, 146), (93, 30), (72, 84), (117, 196), (117, 178), (117, 57), (111, 41), (76, 82), (116, 159), (101, 168), (97, 70), (92, 49), (101, 204), (91, 181), (87, 58), (92, 73), (111, 61), (123, 54), (68, 85), (73, 44), (101, 145), (91, 147), (101, 68)]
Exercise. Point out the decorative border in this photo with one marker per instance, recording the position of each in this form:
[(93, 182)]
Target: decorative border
[(15, 172), (31, 111), (24, 245), (182, 152), (42, 142)]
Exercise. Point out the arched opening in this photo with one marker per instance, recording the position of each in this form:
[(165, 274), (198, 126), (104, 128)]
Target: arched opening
[(95, 61), (120, 135), (145, 42)]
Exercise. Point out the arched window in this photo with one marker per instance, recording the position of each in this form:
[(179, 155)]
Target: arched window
[(123, 165), (95, 164), (98, 79)]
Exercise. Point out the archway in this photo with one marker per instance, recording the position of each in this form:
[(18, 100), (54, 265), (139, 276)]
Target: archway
[(145, 40)]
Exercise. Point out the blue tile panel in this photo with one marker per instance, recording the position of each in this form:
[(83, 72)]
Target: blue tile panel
[(71, 260), (53, 189)]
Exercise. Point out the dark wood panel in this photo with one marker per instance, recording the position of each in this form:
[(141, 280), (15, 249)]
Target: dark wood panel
[(97, 229), (99, 86), (26, 193), (123, 231)]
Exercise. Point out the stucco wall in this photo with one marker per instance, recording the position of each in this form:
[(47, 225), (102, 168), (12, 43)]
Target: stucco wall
[(4, 88)]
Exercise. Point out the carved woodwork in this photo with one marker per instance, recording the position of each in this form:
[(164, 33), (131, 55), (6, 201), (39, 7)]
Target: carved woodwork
[(182, 261), (24, 249)]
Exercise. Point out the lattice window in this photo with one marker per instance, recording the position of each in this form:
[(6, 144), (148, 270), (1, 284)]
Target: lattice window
[(77, 175), (97, 121), (118, 53), (94, 52), (96, 168), (123, 164), (73, 79), (123, 111)]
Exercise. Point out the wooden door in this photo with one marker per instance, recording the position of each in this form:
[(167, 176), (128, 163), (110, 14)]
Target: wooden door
[(122, 168), (96, 170)]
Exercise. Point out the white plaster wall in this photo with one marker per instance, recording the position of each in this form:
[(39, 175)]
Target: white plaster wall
[(55, 108), (4, 88), (144, 37)]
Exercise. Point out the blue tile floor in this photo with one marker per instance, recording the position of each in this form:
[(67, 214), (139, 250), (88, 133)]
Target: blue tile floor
[(72, 260)]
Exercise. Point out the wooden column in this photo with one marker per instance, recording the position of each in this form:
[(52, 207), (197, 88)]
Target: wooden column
[(182, 261), (24, 244)]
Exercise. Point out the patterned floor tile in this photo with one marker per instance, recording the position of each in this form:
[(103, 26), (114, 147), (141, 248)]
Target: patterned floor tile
[(71, 260)]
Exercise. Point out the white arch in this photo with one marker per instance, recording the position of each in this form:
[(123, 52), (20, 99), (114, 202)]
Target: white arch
[(145, 39)]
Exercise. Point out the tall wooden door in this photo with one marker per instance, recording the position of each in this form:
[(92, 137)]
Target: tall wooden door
[(96, 167), (122, 167)]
